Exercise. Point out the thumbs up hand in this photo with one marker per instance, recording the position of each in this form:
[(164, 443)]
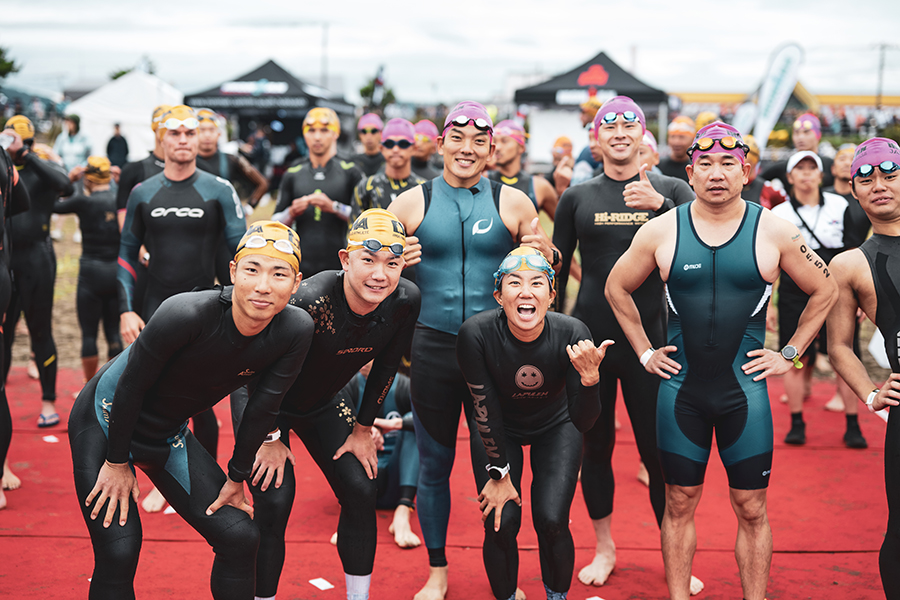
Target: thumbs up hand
[(640, 194)]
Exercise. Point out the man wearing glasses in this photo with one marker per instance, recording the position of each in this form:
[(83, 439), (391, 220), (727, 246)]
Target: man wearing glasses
[(603, 215), (363, 312), (509, 138), (719, 256), (398, 140), (369, 129), (316, 194), (867, 277), (463, 226)]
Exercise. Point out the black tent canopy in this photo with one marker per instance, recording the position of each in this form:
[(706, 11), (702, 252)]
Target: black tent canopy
[(600, 77)]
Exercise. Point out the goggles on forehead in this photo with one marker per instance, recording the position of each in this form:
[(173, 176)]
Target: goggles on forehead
[(402, 144), (421, 137), (804, 125), (887, 167), (173, 123), (462, 121), (255, 242), (206, 115), (728, 142), (373, 245), (324, 120), (610, 117), (514, 262)]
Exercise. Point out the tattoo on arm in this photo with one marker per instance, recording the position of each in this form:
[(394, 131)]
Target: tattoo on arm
[(795, 237), (815, 260)]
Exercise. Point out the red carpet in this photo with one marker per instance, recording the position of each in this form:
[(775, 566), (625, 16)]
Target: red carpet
[(826, 505)]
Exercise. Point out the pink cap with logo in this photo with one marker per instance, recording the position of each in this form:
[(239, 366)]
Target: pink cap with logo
[(873, 152), (512, 129), (399, 128), (716, 131), (620, 105)]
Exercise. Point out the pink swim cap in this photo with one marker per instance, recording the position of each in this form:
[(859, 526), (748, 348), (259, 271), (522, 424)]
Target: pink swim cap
[(427, 128), (399, 127), (717, 130), (471, 110), (809, 121), (370, 120), (873, 152), (512, 129), (620, 105)]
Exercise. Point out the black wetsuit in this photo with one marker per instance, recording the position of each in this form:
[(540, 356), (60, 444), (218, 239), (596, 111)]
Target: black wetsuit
[(15, 200), (369, 163), (134, 173), (379, 190), (34, 267), (673, 168), (188, 357), (856, 222), (593, 214), (342, 344), (424, 169), (883, 255), (97, 297), (322, 234), (528, 393), (522, 181)]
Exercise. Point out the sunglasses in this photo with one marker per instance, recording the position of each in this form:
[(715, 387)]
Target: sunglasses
[(610, 117), (370, 130), (373, 245), (255, 242), (513, 263), (172, 123), (462, 121), (887, 167), (402, 144), (728, 142), (804, 125)]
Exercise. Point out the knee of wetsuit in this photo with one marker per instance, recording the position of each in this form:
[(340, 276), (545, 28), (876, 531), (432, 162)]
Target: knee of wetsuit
[(113, 349), (116, 561), (272, 507), (355, 488), (239, 537), (88, 347), (549, 524), (510, 523)]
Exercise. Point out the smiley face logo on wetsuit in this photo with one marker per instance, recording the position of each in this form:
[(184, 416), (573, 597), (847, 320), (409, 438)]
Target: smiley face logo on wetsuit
[(529, 378)]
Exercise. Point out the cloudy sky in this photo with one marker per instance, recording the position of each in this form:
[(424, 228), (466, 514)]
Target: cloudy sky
[(443, 52)]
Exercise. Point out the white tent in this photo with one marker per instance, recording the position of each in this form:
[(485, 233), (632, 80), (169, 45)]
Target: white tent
[(129, 101)]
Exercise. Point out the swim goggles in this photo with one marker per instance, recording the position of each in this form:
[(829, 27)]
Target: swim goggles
[(511, 263), (205, 114), (322, 117), (887, 167), (728, 142), (373, 245), (402, 144), (462, 121), (172, 123), (804, 125), (255, 242), (370, 130), (610, 117)]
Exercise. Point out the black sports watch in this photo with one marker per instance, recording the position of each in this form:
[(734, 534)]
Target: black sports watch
[(556, 257), (497, 473), (790, 353)]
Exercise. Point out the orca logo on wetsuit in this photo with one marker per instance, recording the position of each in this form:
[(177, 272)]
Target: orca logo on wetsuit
[(160, 211), (529, 377), (694, 266), (477, 228)]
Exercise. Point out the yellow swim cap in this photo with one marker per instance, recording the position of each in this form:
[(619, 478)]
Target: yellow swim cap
[(273, 239), (381, 226), (97, 169), (158, 112), (704, 119), (175, 117), (323, 116), (21, 125), (523, 258)]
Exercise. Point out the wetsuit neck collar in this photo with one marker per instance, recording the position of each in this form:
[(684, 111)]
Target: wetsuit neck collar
[(512, 335), (372, 318), (475, 189)]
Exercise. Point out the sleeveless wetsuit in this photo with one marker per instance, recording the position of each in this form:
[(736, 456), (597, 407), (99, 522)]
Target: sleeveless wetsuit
[(717, 313), (594, 215), (96, 297), (883, 255), (528, 393), (188, 357), (463, 240), (522, 181), (322, 234), (342, 344), (33, 267)]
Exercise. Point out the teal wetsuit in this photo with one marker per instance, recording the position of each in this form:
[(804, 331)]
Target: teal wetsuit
[(717, 313)]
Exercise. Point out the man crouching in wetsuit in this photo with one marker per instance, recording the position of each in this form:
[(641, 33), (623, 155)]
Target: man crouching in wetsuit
[(196, 349), (362, 312), (534, 379)]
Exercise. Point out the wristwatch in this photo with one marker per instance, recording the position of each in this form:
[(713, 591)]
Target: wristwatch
[(556, 257), (790, 353), (497, 473), (871, 399)]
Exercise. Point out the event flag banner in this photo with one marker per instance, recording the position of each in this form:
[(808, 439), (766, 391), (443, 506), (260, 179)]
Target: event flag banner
[(776, 90)]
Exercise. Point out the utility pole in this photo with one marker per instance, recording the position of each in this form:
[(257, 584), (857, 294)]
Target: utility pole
[(881, 50), (325, 55)]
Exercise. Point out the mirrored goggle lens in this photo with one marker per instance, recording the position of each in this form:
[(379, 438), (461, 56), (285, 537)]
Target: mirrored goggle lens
[(462, 121), (373, 245), (190, 123), (370, 130), (728, 142), (610, 117), (803, 125), (255, 242), (535, 262), (886, 167), (402, 144)]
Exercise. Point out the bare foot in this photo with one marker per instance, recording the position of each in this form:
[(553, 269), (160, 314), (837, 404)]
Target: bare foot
[(33, 370), (154, 502), (436, 586), (10, 481), (333, 539), (401, 530), (836, 404), (603, 564), (520, 595), (696, 586), (643, 476)]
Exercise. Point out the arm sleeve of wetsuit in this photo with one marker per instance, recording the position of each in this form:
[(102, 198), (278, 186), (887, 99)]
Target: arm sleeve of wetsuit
[(470, 354), (235, 222), (72, 204), (360, 200), (127, 181), (682, 193), (51, 174), (403, 397), (173, 326), (286, 190), (565, 240), (384, 369), (262, 407), (20, 201), (129, 247), (584, 402)]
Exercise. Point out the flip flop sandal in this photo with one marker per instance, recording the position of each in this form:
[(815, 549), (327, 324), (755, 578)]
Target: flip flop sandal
[(48, 420)]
